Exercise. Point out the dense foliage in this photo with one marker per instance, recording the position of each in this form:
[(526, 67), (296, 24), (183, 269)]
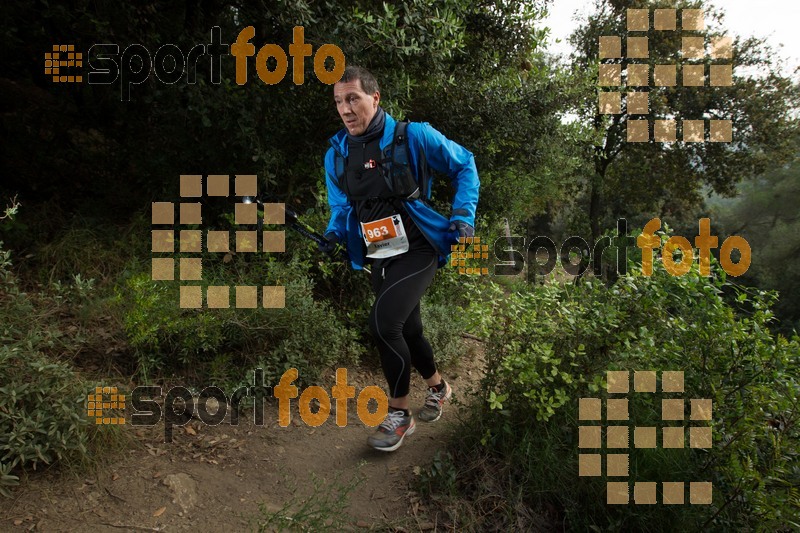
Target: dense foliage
[(766, 214), (93, 153), (553, 344), (42, 400)]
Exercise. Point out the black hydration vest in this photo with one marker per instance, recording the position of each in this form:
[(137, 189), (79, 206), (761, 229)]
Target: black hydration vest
[(394, 164), (376, 181)]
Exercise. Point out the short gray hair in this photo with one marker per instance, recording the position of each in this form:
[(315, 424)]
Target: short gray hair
[(368, 81)]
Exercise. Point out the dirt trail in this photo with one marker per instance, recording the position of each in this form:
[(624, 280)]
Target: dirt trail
[(213, 478)]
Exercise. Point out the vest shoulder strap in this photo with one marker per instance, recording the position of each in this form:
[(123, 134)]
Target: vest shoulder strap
[(400, 132), (423, 174)]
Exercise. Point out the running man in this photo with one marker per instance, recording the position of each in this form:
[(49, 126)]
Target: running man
[(378, 187)]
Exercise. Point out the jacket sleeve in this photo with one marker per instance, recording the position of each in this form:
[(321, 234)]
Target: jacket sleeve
[(448, 157), (336, 199)]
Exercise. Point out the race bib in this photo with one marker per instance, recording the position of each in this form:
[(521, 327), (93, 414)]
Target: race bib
[(385, 237)]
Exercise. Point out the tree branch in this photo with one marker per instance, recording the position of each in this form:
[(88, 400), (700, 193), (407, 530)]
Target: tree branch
[(11, 211)]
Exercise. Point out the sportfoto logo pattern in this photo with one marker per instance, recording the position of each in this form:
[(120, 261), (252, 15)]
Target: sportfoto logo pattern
[(105, 398), (108, 63), (618, 438), (53, 63), (460, 256), (692, 68), (190, 241)]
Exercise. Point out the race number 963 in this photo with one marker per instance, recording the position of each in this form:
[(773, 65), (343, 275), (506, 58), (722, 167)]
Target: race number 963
[(379, 230)]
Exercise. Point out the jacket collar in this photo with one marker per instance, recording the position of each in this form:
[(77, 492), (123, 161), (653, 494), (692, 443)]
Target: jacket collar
[(339, 141)]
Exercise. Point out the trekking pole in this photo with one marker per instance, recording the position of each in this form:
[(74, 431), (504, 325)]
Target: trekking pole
[(294, 223)]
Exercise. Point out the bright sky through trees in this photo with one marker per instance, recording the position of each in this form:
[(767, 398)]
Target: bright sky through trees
[(774, 19)]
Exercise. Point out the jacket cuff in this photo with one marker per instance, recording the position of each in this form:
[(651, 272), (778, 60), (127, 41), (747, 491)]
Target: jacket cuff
[(462, 215)]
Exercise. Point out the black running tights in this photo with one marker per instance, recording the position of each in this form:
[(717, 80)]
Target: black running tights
[(395, 320)]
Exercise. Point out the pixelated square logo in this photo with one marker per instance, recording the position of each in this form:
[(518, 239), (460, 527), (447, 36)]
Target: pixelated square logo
[(60, 64), (190, 240), (620, 437), (104, 406), (704, 62), (469, 255)]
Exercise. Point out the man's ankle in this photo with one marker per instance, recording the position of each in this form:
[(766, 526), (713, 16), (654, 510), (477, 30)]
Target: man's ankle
[(406, 412)]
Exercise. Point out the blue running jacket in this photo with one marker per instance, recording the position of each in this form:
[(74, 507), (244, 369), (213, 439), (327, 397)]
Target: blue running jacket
[(442, 155)]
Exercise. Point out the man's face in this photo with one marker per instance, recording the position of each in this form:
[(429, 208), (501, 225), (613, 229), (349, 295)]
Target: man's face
[(354, 105)]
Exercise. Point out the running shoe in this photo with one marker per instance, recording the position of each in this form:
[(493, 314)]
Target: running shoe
[(392, 431), (432, 410)]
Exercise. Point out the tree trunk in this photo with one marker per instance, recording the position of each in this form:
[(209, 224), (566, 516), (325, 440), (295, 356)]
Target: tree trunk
[(594, 205), (508, 238)]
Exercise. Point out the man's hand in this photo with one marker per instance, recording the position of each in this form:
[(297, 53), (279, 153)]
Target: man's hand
[(329, 246), (464, 229)]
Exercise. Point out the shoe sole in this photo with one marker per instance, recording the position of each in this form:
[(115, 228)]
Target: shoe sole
[(446, 399), (409, 431)]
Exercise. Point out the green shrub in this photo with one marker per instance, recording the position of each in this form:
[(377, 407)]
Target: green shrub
[(160, 332), (553, 345), (42, 401), (7, 479), (79, 248), (310, 337), (42, 411), (305, 334), (464, 298)]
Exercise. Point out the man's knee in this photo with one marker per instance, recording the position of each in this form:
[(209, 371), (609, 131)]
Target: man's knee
[(412, 329), (384, 328)]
